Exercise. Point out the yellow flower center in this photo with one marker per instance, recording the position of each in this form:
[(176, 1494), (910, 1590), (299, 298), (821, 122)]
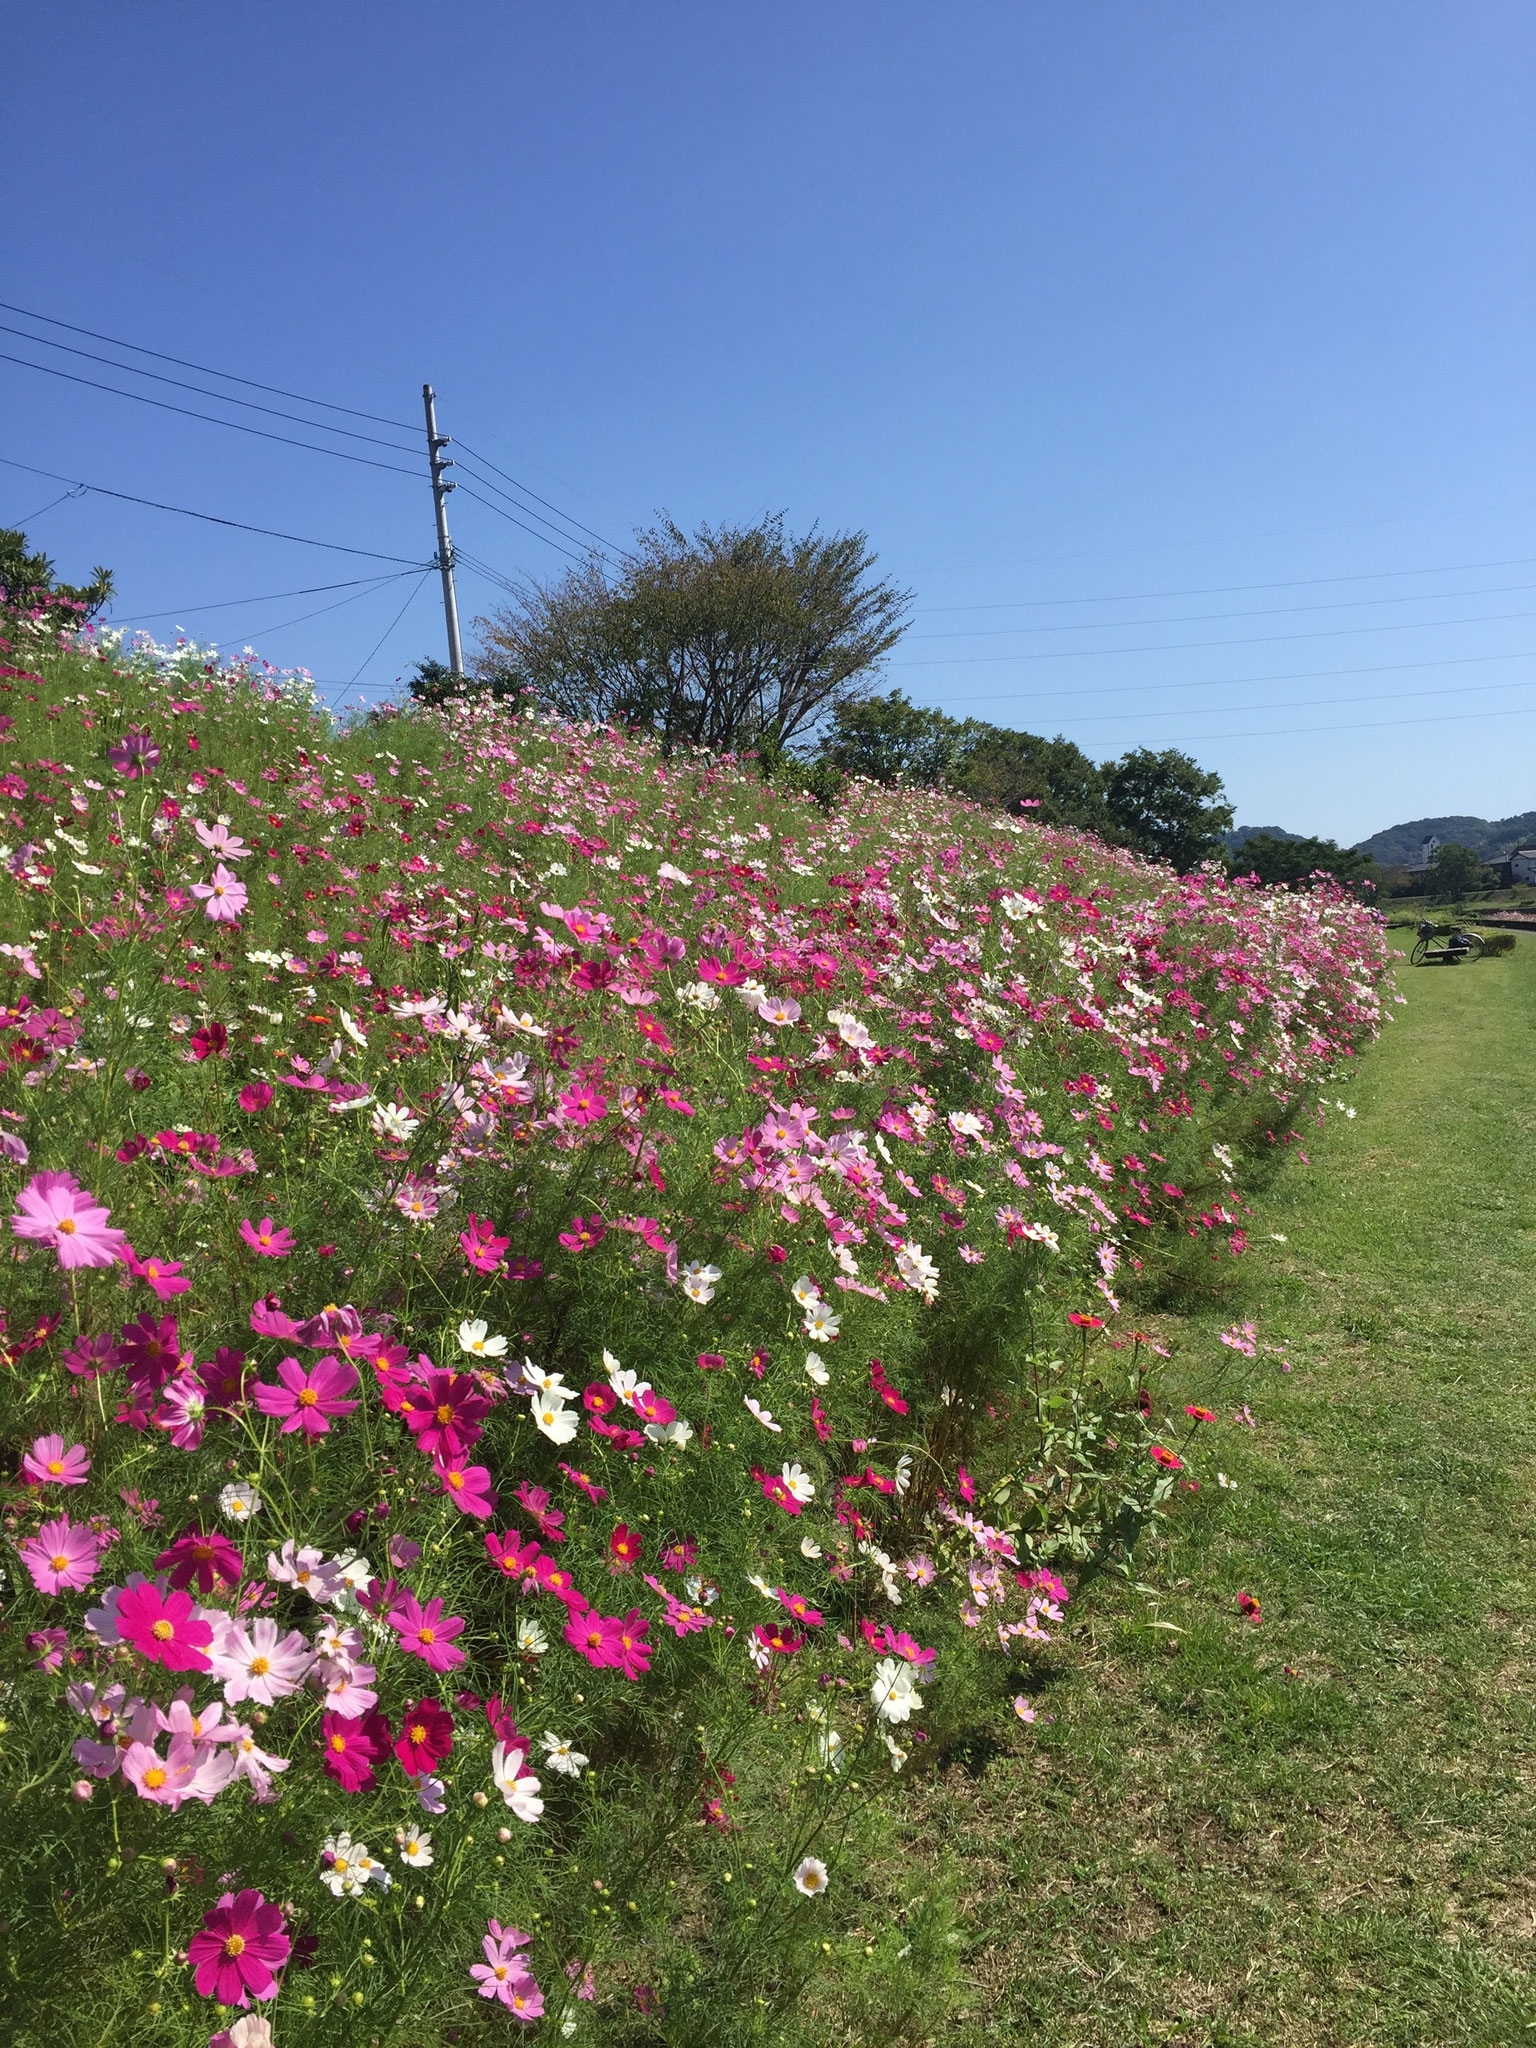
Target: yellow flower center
[(338, 1743), (445, 1412), (235, 1946), (154, 1777), (260, 1666), (162, 1631), (456, 1480), (55, 1466), (418, 1733), (427, 1636), (307, 1397), (67, 1225), (59, 1564)]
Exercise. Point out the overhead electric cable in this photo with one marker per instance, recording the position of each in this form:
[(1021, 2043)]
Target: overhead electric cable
[(1299, 704), (1185, 646), (586, 547), (225, 604), (486, 502), (399, 615), (281, 625), (1348, 604), (213, 518), (212, 419), (219, 397), (569, 517), (1232, 589), (1365, 725), (28, 517), (229, 376)]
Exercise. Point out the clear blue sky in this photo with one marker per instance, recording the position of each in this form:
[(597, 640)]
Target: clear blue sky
[(1123, 303)]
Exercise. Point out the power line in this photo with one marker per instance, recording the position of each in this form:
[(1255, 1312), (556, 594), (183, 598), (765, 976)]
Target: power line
[(1184, 646), (28, 517), (575, 539), (281, 625), (1348, 604), (1304, 703), (569, 517), (250, 383), (213, 518), (518, 522), (1232, 589), (225, 604), (1365, 725), (181, 384), (212, 419), (399, 615), (1291, 675)]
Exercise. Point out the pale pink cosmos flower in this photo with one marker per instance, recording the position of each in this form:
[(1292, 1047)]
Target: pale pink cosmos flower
[(348, 1687), (48, 1463), (54, 1209), (224, 898), (220, 840), (256, 1766), (305, 1568), (255, 1664), (61, 1557), (188, 1770)]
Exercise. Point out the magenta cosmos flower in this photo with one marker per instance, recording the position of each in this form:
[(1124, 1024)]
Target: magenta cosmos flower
[(164, 1627), (268, 1239), (49, 1464), (204, 1559), (608, 1643), (224, 897), (135, 754), (61, 1557), (308, 1397), (240, 1946), (424, 1633), (426, 1737), (350, 1746), (448, 1421), (54, 1209)]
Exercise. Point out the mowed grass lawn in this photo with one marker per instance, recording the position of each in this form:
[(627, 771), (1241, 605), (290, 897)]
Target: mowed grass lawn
[(1321, 1829)]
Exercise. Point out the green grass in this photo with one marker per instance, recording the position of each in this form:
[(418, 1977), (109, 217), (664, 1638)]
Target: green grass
[(1321, 1829)]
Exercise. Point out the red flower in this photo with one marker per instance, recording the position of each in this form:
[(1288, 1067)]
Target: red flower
[(624, 1547), (782, 1641), (351, 1746), (1248, 1607), (1171, 1459), (213, 1038), (205, 1559), (469, 1488), (1086, 1322), (516, 1560), (448, 1422), (1200, 1414), (426, 1737)]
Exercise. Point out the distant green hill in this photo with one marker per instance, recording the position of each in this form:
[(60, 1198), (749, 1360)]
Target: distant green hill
[(1241, 834), (1492, 838)]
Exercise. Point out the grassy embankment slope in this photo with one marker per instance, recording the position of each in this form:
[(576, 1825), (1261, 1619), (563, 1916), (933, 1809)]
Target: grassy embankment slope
[(1322, 1829)]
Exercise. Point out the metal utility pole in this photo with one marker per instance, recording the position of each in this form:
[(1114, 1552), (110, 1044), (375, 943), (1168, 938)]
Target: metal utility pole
[(436, 443)]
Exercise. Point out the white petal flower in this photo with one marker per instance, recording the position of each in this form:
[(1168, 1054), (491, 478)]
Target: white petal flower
[(531, 1638), (806, 1291), (554, 1420), (516, 1784), (799, 1482), (561, 1754), (810, 1877), (894, 1692), (239, 1502), (414, 1847), (816, 1368), (473, 1338), (754, 1407), (821, 1323)]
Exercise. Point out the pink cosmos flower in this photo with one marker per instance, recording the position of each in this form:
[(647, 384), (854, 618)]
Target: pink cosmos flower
[(165, 1628), (239, 1948), (350, 1747), (188, 1770), (534, 1500), (583, 1106), (224, 898), (504, 1974), (308, 1396), (585, 1231), (447, 1422), (348, 1687), (481, 1246), (255, 1665), (163, 1276), (54, 1209), (426, 1634), (183, 1413), (135, 754), (469, 1488), (254, 1096), (205, 1559), (49, 1464), (61, 1557), (514, 1558), (268, 1239)]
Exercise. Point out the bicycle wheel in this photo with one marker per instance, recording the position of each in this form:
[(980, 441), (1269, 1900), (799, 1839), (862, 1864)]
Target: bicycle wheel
[(1472, 943), (1420, 953)]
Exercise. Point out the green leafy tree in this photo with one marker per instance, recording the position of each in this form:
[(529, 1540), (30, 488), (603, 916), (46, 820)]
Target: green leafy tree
[(734, 637), (1052, 779), (1454, 872), (434, 682), (1294, 860), (26, 580), (1168, 806), (890, 739)]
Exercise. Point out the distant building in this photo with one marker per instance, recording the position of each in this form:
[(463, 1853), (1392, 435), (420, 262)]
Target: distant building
[(1426, 855), (1522, 864)]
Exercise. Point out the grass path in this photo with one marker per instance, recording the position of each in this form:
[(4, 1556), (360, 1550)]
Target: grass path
[(1322, 1829)]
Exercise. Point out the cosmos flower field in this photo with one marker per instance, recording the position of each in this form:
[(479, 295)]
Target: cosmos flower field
[(571, 1320)]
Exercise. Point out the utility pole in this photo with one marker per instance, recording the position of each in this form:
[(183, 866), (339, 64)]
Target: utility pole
[(436, 443)]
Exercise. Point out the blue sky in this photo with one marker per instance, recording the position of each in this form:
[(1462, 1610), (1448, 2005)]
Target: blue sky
[(1178, 358)]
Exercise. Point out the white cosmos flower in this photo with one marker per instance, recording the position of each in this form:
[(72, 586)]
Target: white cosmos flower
[(555, 1420), (918, 1270), (894, 1692), (699, 1281), (755, 1407), (758, 1652), (517, 1785), (473, 1338), (830, 1744), (561, 1754), (809, 1547), (549, 1385), (810, 1877), (806, 1290), (240, 1502), (849, 1029), (816, 1368), (676, 1435), (530, 1637), (759, 1585), (898, 1754), (821, 1323), (390, 1121), (519, 1020), (700, 996), (1041, 1233), (798, 1480), (415, 1847), (667, 873), (751, 993), (342, 1873), (903, 1474)]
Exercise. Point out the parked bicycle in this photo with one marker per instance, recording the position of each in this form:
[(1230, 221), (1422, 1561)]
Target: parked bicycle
[(1445, 945)]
